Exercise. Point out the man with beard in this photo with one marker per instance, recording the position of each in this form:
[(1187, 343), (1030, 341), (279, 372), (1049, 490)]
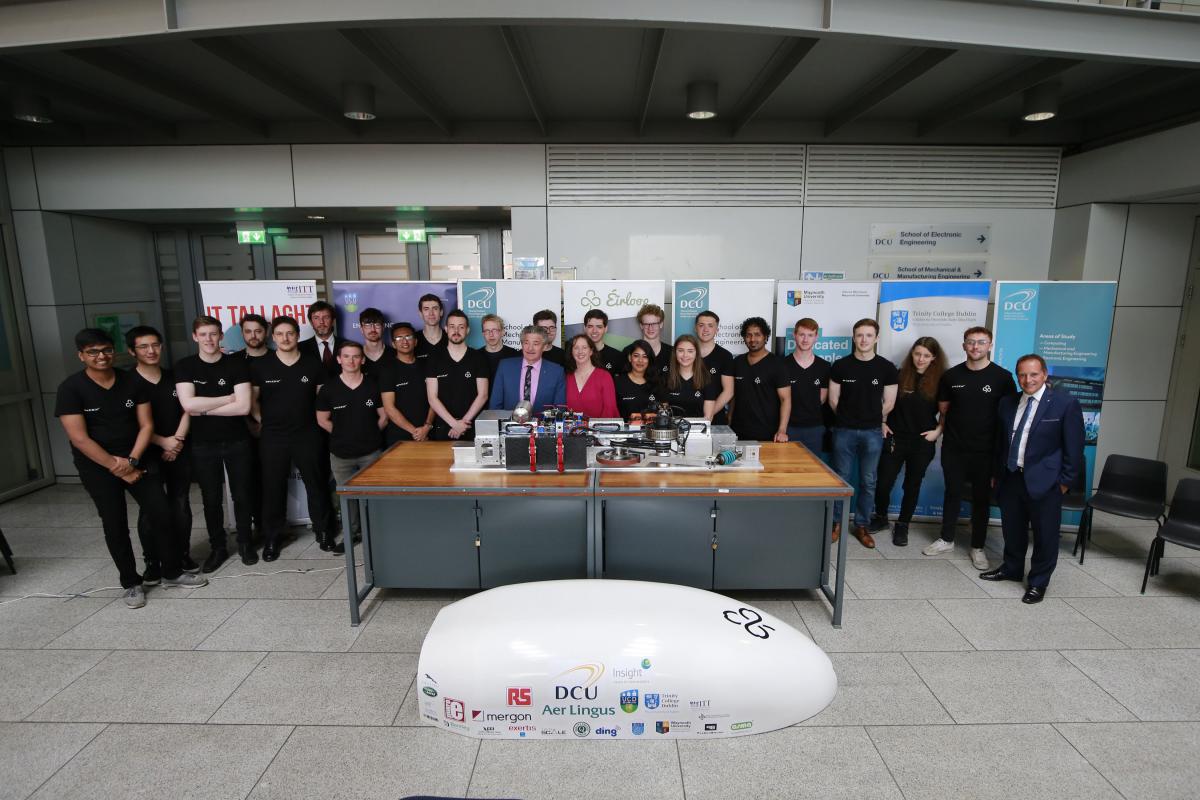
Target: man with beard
[(402, 389), (376, 352), (323, 344), (456, 379), (762, 397), (254, 335)]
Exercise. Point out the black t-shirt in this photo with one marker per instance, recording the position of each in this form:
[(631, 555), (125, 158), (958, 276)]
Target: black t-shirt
[(495, 358), (110, 415), (719, 362), (164, 402), (914, 412), (373, 368), (355, 415), (556, 354), (974, 396), (860, 402), (756, 396), (688, 398), (215, 380), (407, 381), (660, 364), (456, 379), (807, 383), (243, 353), (287, 395), (634, 397), (613, 360), (424, 349)]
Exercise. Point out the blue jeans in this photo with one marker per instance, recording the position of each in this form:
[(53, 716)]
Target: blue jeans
[(809, 436), (862, 447)]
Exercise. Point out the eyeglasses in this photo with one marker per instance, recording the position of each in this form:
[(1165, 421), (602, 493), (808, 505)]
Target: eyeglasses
[(96, 352), (370, 325), (977, 342), (403, 338), (650, 324), (144, 347)]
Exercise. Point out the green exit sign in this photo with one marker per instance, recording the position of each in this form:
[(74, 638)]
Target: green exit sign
[(411, 235), (252, 237)]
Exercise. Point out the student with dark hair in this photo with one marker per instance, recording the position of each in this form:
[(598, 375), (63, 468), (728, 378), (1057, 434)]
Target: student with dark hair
[(636, 390), (214, 389), (107, 418), (168, 453), (402, 387), (910, 433), (595, 325), (431, 337), (376, 351), (324, 341), (285, 393), (350, 410), (254, 329), (717, 360), (762, 397), (456, 378), (548, 321), (688, 386)]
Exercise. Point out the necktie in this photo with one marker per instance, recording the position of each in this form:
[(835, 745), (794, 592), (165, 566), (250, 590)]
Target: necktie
[(1018, 436), (528, 382), (327, 356)]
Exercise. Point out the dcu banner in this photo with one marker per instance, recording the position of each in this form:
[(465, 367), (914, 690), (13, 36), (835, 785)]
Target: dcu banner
[(396, 299), (731, 300), (1068, 323), (514, 301)]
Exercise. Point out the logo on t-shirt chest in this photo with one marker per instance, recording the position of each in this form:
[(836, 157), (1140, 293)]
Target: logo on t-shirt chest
[(987, 389), (129, 403), (304, 379)]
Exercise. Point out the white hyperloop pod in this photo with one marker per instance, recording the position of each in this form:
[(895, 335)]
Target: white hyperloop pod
[(616, 659)]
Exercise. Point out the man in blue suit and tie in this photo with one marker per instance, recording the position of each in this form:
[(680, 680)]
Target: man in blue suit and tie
[(1039, 455), (529, 377)]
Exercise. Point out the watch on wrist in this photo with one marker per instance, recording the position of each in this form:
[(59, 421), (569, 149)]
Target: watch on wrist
[(133, 462)]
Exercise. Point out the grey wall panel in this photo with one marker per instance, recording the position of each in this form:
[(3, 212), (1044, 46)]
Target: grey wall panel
[(1149, 166), (1154, 266), (1105, 241), (529, 232), (22, 182), (116, 261), (46, 249), (1141, 352), (83, 178), (1068, 245), (54, 346), (428, 175), (1129, 428), (60, 447)]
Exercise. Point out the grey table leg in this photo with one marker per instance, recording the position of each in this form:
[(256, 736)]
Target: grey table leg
[(353, 593), (840, 580)]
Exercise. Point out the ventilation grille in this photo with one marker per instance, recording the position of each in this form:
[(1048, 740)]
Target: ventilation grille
[(993, 177), (647, 175)]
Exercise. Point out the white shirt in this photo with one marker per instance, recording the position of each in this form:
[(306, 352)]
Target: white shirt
[(1026, 399)]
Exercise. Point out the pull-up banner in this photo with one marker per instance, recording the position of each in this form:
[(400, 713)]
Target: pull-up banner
[(229, 301), (397, 300), (1068, 323), (731, 300), (514, 301), (834, 306), (619, 299)]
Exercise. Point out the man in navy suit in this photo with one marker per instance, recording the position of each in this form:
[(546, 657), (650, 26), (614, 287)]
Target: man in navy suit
[(530, 377), (324, 342), (1039, 455)]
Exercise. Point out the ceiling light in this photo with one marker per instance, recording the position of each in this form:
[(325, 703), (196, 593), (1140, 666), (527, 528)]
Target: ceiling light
[(32, 108), (358, 101), (1041, 102), (702, 99)]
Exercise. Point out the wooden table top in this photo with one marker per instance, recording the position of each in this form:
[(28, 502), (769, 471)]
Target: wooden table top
[(416, 466), (787, 468)]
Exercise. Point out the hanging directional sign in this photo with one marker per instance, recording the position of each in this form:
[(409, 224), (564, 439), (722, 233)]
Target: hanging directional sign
[(916, 238), (925, 269), (252, 237), (411, 234)]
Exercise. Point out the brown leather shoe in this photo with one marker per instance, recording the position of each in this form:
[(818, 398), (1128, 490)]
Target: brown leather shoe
[(837, 532), (864, 536)]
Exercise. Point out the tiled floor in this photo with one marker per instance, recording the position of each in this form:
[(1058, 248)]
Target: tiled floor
[(949, 687)]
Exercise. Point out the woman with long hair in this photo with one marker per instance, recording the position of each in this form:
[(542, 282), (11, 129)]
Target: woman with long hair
[(636, 389), (590, 387), (688, 386), (910, 433)]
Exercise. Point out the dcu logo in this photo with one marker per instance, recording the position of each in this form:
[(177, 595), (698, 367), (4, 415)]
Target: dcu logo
[(629, 701), (794, 298), (899, 320), (693, 299), (481, 299), (1020, 301)]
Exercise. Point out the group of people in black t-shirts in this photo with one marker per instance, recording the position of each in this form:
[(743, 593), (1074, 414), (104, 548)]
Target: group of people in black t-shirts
[(329, 405)]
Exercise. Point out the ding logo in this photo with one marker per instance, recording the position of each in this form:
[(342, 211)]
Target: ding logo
[(693, 299), (751, 620), (1020, 301), (481, 298)]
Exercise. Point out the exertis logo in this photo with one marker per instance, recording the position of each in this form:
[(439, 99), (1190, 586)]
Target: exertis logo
[(519, 696), (629, 701), (580, 691)]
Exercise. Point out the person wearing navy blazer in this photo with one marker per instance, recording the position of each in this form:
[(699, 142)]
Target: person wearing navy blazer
[(1039, 455), (508, 388)]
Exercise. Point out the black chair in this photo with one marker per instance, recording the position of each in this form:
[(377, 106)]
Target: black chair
[(1182, 526), (1076, 500), (6, 551), (1129, 487)]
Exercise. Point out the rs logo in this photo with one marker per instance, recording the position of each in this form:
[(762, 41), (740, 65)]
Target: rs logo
[(519, 696), (749, 619)]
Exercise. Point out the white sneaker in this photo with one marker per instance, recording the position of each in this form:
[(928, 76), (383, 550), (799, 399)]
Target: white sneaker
[(186, 581), (938, 546), (135, 596), (979, 559)]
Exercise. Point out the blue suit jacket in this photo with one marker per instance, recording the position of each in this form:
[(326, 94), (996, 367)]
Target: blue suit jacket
[(1054, 450), (507, 386)]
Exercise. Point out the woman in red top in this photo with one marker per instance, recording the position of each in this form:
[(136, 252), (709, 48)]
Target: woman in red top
[(590, 388)]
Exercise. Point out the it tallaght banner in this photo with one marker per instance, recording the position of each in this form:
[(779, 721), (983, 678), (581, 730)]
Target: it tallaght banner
[(229, 301), (514, 301), (620, 300), (731, 300)]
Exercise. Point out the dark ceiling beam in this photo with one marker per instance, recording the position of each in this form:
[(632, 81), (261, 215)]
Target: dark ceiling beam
[(276, 78), (1149, 113), (387, 63), (994, 91), (779, 66), (17, 76), (524, 74), (916, 63), (1123, 90), (151, 78), (652, 46)]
